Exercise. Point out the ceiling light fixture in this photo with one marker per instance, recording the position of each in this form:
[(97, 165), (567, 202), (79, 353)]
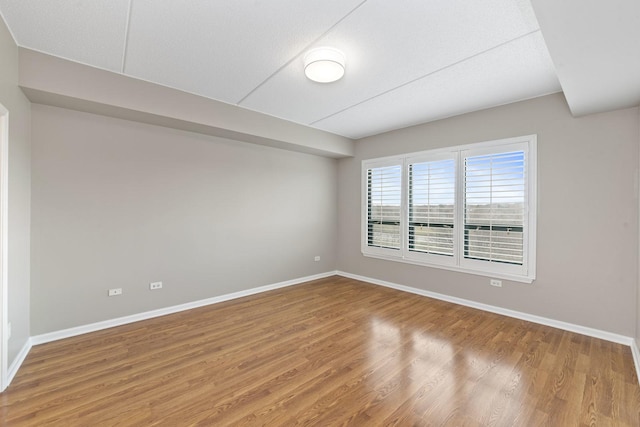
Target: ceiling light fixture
[(324, 65)]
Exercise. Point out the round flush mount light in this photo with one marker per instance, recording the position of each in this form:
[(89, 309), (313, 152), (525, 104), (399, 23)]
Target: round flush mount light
[(324, 65)]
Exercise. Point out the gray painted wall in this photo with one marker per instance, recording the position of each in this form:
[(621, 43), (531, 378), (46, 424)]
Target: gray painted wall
[(587, 212), (19, 192), (121, 204), (54, 81)]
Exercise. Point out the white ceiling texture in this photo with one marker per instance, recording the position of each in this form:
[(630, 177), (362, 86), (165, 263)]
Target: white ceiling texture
[(407, 61)]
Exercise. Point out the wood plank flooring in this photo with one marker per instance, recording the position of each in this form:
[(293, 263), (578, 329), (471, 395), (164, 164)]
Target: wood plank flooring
[(330, 352)]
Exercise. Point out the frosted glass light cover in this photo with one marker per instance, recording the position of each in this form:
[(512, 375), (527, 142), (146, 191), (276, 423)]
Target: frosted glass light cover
[(324, 65)]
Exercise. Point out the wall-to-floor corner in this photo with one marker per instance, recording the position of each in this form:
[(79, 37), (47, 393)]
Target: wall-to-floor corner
[(18, 198), (121, 204), (636, 353)]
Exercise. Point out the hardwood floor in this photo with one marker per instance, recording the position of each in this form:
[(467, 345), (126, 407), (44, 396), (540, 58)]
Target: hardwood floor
[(330, 352)]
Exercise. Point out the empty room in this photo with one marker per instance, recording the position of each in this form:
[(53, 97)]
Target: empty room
[(354, 212)]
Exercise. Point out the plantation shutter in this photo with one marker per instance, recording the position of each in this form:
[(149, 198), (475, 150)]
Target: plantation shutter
[(384, 197), (470, 208), (494, 207), (431, 207)]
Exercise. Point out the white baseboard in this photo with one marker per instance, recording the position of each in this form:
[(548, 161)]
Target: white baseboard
[(66, 333), (591, 332), (17, 362), (596, 333), (636, 357), (92, 327)]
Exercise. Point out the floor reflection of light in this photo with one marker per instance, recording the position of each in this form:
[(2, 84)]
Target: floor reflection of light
[(440, 376), (384, 347), (470, 380), (384, 333), (434, 373), (493, 380)]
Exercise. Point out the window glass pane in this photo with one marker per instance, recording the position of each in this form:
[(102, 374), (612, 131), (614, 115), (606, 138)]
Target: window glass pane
[(384, 196), (431, 207), (494, 207)]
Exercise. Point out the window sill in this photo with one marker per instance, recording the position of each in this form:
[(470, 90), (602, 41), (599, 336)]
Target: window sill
[(495, 275)]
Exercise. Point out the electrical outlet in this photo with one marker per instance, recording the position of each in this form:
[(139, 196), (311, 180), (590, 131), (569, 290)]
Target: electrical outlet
[(155, 285), (115, 292), (495, 282), (317, 258)]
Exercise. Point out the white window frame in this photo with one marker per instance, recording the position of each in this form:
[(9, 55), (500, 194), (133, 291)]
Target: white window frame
[(526, 273)]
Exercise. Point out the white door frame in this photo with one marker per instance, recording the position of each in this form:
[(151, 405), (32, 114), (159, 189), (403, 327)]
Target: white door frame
[(4, 315)]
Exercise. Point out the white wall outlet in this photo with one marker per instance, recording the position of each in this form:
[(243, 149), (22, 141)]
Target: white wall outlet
[(155, 285), (115, 292), (317, 258), (495, 282)]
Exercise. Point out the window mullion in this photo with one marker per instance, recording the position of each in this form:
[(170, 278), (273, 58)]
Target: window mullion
[(491, 211), (458, 241), (404, 217)]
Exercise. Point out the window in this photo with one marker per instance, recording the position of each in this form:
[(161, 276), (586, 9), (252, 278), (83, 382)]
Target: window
[(384, 200), (468, 208)]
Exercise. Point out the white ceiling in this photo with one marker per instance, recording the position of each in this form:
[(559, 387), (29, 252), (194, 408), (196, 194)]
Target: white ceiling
[(408, 61), (596, 50)]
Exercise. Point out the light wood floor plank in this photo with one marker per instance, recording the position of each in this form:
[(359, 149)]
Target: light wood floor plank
[(330, 352)]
